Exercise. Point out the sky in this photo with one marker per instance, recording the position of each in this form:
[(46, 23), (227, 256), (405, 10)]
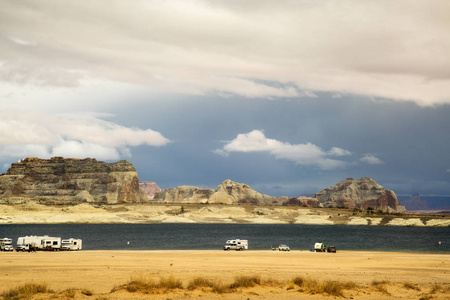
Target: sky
[(289, 97)]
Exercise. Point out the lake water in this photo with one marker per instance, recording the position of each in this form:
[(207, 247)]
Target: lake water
[(260, 236)]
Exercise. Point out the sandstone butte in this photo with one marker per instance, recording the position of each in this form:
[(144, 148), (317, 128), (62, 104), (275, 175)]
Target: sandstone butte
[(69, 180)]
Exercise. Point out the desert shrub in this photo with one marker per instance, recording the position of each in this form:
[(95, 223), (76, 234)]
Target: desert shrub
[(70, 293), (26, 291), (410, 286), (435, 288), (380, 286), (170, 283), (333, 288), (246, 281), (298, 280), (219, 287), (272, 282), (199, 282)]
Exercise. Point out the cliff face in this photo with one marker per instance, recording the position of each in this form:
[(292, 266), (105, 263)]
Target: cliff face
[(229, 192), (72, 180), (362, 193)]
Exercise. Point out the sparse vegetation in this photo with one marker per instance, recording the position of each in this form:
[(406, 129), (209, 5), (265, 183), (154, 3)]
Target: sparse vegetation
[(380, 286), (410, 286), (26, 291)]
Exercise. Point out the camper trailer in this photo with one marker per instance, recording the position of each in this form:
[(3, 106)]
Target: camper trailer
[(51, 243), (6, 244), (71, 244), (43, 242), (26, 243), (320, 247), (236, 244)]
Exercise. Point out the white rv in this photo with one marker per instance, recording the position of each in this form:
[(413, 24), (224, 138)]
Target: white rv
[(6, 244), (236, 244), (42, 242), (71, 244), (51, 243), (25, 242), (320, 247)]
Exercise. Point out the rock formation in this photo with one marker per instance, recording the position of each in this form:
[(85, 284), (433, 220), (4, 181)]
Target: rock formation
[(363, 193), (183, 194), (303, 201), (415, 202), (229, 192), (71, 180), (149, 188)]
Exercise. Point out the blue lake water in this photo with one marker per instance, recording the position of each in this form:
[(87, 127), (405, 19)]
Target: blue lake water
[(260, 236)]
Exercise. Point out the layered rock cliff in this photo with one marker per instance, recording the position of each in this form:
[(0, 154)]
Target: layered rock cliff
[(363, 193), (72, 180), (229, 192)]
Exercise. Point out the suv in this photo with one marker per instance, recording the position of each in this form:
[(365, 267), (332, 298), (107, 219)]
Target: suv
[(331, 249), (8, 247), (284, 248)]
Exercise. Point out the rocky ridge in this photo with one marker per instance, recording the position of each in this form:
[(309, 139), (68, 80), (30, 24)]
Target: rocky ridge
[(70, 180), (229, 192), (149, 188), (363, 193)]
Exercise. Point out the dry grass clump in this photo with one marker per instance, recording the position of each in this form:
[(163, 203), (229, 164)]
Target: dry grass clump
[(148, 285), (199, 282), (380, 286), (26, 291), (312, 286), (245, 281), (411, 286)]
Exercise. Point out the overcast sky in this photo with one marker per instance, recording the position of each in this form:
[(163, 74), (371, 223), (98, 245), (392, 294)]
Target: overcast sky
[(287, 96)]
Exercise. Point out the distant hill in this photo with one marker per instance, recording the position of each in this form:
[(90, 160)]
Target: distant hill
[(417, 202)]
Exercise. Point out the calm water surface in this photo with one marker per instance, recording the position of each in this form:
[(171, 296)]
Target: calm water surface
[(260, 236)]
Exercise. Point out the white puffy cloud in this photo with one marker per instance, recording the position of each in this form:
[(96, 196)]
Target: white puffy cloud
[(303, 154), (391, 49), (336, 151), (371, 160), (32, 133)]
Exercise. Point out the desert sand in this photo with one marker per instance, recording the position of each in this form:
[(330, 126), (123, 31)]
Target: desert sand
[(378, 275)]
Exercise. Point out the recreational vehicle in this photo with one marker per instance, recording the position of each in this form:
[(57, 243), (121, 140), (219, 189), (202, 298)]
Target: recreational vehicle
[(51, 243), (25, 243), (71, 244), (43, 242), (236, 244), (320, 247), (6, 244)]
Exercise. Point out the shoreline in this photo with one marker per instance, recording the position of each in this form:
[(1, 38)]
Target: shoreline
[(34, 213), (100, 271)]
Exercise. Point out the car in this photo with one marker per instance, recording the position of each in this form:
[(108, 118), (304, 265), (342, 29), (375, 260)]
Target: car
[(8, 248), (331, 249), (283, 247)]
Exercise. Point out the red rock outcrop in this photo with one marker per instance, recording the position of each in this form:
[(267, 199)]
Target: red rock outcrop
[(363, 193)]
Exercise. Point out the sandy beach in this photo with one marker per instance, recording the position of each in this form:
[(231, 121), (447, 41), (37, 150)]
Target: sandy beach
[(377, 275)]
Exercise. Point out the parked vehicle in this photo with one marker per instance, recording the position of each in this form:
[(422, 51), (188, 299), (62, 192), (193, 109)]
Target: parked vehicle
[(71, 244), (282, 247), (6, 244), (43, 242), (320, 247), (236, 244), (25, 243), (331, 249), (51, 243)]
